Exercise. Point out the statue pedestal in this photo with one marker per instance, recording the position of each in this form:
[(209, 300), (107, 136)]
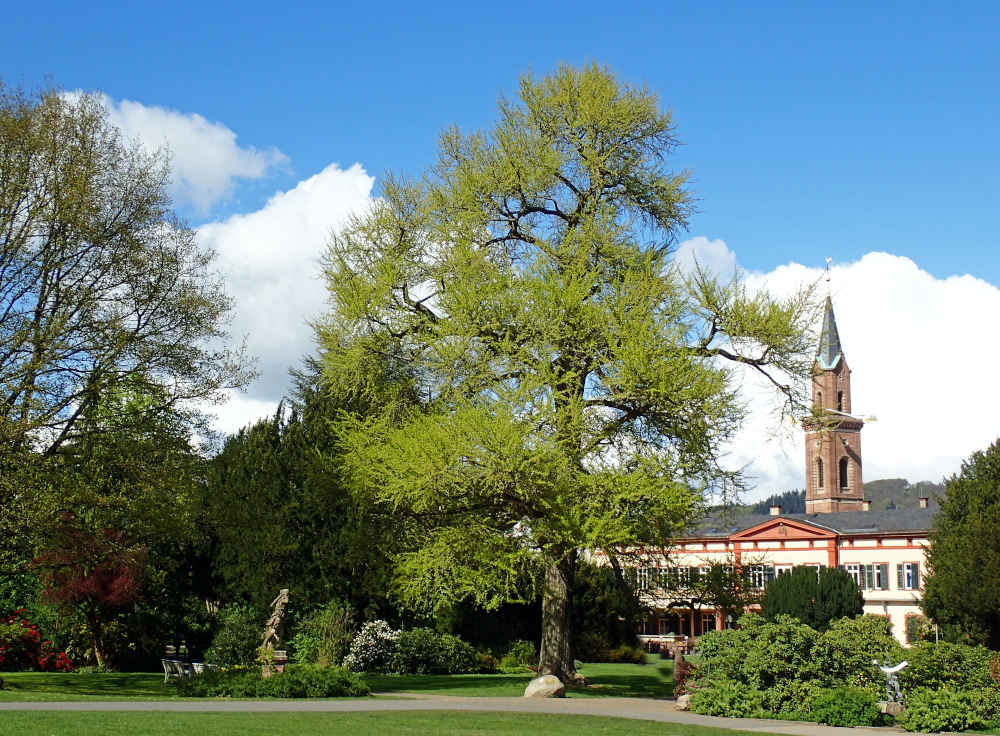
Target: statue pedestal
[(276, 666)]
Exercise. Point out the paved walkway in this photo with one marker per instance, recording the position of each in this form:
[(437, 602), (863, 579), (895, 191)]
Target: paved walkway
[(638, 708)]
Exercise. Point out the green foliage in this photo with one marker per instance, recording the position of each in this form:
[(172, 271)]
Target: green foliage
[(962, 589), (728, 699), (845, 706), (520, 656), (846, 649), (324, 636), (945, 709), (237, 638), (526, 289), (814, 597), (605, 612), (298, 681), (936, 665), (283, 477), (424, 651), (789, 662)]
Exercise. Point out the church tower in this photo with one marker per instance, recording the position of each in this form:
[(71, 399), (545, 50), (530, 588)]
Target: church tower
[(833, 436)]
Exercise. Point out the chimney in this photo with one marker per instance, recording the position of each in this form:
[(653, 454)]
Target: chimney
[(866, 505), (923, 502), (775, 509)]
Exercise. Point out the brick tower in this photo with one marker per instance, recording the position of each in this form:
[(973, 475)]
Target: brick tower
[(833, 436)]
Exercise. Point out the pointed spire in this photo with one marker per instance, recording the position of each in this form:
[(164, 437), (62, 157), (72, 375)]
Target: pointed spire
[(829, 352)]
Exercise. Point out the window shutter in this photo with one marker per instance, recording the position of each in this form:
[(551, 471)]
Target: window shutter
[(885, 576), (769, 573), (900, 580), (869, 577)]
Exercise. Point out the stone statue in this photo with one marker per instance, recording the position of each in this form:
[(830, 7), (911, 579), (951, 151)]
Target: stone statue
[(893, 694), (274, 630)]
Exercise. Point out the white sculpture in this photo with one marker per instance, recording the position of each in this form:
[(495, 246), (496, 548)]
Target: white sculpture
[(893, 693)]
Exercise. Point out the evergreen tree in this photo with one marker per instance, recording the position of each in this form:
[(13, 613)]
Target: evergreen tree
[(813, 596), (962, 587)]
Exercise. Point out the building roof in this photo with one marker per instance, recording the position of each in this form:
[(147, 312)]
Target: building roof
[(829, 353), (723, 524)]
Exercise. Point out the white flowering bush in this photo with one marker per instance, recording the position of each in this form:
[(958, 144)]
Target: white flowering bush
[(373, 649)]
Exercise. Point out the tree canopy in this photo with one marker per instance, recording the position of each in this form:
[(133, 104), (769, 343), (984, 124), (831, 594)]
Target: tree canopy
[(962, 587), (98, 280), (575, 385)]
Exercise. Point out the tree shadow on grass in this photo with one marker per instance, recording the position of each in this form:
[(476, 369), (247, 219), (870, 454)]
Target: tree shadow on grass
[(110, 684)]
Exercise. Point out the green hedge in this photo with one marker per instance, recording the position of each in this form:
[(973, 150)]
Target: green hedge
[(950, 709), (298, 681)]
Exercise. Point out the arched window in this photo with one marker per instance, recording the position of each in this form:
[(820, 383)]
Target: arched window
[(840, 401), (819, 399), (819, 467), (843, 472)]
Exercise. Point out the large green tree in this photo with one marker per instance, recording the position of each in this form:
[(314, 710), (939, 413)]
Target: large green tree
[(574, 383), (98, 279), (962, 587)]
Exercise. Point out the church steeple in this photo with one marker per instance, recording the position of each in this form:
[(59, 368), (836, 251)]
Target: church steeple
[(829, 352), (833, 436)]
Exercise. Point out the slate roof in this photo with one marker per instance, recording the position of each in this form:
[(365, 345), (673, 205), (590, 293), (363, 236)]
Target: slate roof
[(721, 524), (830, 352)]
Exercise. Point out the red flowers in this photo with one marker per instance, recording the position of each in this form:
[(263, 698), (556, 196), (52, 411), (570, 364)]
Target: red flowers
[(22, 647)]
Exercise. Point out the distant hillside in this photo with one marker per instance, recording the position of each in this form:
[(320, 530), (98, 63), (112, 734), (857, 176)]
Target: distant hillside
[(891, 493)]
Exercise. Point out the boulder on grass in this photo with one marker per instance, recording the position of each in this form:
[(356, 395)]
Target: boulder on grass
[(546, 686)]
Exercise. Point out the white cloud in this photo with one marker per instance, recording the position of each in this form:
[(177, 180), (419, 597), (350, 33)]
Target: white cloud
[(919, 363), (271, 262), (713, 256), (206, 160)]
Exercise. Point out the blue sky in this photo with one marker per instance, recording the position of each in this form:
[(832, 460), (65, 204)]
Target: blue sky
[(810, 131), (842, 130)]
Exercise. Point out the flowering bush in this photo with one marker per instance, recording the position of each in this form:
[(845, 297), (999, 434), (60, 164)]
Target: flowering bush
[(22, 646), (373, 649)]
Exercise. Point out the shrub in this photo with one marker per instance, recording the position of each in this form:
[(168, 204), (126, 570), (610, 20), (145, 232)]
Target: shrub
[(727, 698), (373, 649), (521, 655), (487, 664), (845, 706), (324, 637), (942, 664), (946, 709), (846, 649), (22, 646), (424, 651), (626, 653), (237, 638), (298, 681)]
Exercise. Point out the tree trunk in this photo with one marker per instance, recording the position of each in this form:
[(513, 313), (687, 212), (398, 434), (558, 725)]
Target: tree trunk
[(97, 637), (556, 655)]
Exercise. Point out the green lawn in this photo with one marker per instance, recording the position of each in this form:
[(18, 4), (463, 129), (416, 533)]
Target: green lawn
[(24, 723), (653, 680), (88, 686)]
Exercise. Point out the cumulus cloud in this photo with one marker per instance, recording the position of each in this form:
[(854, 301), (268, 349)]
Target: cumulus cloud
[(919, 363), (206, 159), (271, 261), (712, 256)]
